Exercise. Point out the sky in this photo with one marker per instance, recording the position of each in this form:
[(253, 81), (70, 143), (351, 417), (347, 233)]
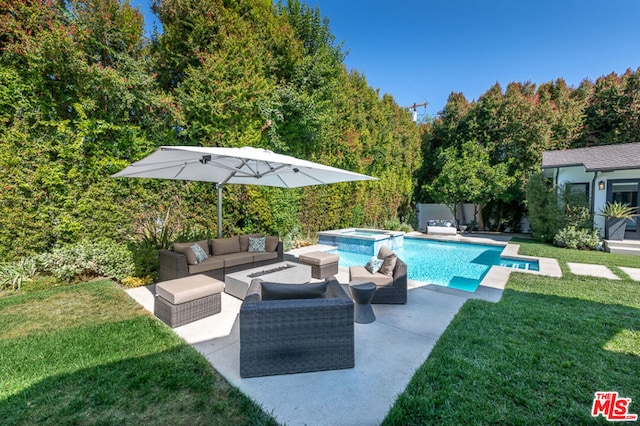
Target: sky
[(421, 51)]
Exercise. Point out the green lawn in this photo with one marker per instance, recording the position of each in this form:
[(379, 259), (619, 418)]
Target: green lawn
[(536, 357), (88, 354)]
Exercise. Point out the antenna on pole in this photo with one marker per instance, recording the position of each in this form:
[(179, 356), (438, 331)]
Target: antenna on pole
[(414, 107)]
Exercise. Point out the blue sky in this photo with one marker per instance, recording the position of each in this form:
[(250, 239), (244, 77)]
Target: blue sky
[(421, 51)]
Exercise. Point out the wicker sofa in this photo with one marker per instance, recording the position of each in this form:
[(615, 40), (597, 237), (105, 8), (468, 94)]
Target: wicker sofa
[(389, 289), (284, 336), (225, 255)]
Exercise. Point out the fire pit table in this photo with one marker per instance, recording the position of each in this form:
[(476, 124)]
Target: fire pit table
[(237, 283)]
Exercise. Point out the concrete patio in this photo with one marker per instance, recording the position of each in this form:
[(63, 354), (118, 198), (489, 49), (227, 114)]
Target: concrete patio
[(387, 351)]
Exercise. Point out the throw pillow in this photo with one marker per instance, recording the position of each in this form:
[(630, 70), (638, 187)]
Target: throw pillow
[(185, 248), (384, 252), (389, 265), (199, 253), (244, 241), (272, 243), (257, 244), (373, 265), (277, 291)]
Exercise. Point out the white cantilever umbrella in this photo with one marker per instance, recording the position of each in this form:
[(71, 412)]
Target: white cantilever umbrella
[(247, 165)]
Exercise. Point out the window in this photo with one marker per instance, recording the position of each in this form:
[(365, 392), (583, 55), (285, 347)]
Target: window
[(579, 190)]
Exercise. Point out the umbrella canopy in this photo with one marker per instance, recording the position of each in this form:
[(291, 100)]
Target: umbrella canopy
[(247, 165)]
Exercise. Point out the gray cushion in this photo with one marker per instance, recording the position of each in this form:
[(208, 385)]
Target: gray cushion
[(384, 252), (183, 290), (262, 256), (185, 248), (271, 244), (209, 264), (225, 245), (389, 265), (236, 259), (359, 273), (277, 291)]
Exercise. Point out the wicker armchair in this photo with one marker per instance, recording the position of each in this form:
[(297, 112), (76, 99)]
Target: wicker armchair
[(296, 335), (390, 290)]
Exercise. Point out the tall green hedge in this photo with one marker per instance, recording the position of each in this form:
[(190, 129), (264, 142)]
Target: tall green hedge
[(83, 93)]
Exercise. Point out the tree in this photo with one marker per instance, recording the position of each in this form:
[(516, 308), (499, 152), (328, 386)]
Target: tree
[(612, 114), (83, 94), (468, 176), (544, 207)]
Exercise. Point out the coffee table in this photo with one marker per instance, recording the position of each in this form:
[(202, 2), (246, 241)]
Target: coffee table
[(237, 283)]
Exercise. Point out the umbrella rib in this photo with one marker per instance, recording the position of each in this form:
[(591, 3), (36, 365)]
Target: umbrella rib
[(311, 177), (254, 173), (286, 185), (184, 164), (180, 171), (272, 169)]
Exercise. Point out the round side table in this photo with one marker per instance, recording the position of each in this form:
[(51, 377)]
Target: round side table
[(362, 293)]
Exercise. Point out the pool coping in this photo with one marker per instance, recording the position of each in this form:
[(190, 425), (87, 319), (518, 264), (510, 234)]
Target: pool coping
[(496, 277), (378, 234)]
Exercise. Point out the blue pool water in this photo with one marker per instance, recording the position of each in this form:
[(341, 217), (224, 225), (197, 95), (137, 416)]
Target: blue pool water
[(456, 265)]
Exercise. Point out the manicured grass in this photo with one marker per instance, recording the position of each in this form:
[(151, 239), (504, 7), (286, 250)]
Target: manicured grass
[(88, 354), (536, 357)]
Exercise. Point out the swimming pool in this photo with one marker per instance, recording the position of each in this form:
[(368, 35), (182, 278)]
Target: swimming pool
[(457, 265)]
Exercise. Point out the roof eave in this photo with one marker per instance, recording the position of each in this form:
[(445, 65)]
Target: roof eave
[(557, 166)]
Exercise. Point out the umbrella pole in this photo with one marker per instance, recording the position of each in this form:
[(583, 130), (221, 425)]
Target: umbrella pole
[(219, 186)]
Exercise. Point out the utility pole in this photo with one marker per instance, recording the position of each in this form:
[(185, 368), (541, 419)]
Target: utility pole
[(414, 113)]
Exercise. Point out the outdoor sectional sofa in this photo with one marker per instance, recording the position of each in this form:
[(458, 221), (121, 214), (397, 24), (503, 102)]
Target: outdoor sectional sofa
[(224, 256)]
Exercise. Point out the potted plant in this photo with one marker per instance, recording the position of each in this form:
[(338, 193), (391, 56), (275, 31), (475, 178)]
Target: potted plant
[(616, 215)]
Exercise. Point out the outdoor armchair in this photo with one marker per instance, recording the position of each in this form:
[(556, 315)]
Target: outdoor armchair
[(296, 335), (389, 289)]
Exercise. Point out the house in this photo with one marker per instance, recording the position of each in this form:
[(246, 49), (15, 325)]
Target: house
[(604, 173)]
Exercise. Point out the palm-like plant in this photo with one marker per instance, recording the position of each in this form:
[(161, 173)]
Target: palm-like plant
[(618, 210)]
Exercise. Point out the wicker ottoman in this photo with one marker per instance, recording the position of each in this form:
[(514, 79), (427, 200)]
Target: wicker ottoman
[(188, 299), (322, 264)]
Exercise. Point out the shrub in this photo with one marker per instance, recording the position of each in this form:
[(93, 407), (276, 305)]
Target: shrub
[(14, 274), (395, 225), (405, 227), (544, 211), (576, 211), (131, 282), (573, 238), (577, 216), (392, 224), (145, 259), (93, 258), (157, 232)]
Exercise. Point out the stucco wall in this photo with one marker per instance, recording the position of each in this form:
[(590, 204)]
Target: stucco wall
[(579, 175), (427, 212)]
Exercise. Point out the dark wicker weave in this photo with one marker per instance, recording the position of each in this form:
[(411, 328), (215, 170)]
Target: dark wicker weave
[(397, 293), (324, 271), (296, 335), (174, 265), (177, 315)]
